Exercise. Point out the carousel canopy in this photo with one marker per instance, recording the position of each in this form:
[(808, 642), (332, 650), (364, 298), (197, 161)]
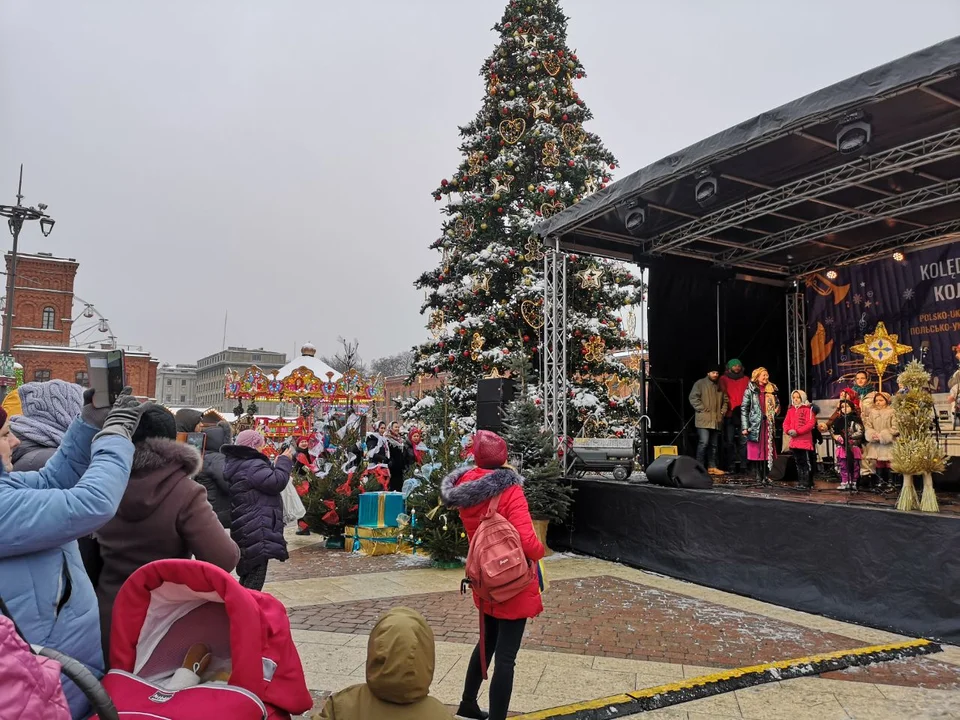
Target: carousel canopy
[(308, 359)]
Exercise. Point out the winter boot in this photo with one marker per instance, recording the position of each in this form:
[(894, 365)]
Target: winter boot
[(803, 479), (470, 711)]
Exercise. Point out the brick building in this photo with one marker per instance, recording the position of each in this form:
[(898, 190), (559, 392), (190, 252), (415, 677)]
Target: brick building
[(395, 387), (43, 324)]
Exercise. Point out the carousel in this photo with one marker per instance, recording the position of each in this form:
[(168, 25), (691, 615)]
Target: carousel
[(307, 383)]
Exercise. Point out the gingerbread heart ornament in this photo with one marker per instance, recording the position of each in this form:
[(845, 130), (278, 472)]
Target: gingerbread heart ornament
[(512, 130)]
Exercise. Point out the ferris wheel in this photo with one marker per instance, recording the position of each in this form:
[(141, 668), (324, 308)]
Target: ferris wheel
[(90, 328)]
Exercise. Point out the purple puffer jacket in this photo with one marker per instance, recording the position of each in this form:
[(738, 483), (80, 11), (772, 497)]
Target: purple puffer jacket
[(31, 684), (256, 508)]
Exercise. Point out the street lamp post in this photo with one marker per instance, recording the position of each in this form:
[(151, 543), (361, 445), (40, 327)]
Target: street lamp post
[(16, 215)]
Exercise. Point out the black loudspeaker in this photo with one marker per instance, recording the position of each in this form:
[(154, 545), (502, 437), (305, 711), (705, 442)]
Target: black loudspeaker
[(490, 416), (496, 390), (679, 471), (784, 468)]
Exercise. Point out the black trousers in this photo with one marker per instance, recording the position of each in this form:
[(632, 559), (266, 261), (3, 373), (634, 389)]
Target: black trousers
[(502, 639), (255, 578)]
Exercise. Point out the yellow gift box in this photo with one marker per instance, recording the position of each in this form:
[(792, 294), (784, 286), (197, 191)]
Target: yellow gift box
[(375, 541)]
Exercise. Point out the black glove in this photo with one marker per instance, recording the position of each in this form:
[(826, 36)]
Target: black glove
[(95, 416), (123, 418)]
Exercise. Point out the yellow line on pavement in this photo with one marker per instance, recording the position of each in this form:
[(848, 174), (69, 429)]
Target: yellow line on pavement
[(572, 709)]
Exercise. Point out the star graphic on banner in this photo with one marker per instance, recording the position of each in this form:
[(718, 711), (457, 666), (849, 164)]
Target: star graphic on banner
[(908, 294), (881, 349)]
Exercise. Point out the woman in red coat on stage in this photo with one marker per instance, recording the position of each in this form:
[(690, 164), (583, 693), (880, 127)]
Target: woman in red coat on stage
[(470, 490)]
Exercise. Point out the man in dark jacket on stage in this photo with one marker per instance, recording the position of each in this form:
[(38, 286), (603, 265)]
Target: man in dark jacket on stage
[(734, 383), (710, 403)]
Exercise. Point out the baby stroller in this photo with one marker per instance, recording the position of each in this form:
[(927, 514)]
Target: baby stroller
[(189, 643)]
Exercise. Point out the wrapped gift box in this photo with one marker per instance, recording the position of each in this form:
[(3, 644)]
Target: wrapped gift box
[(380, 509), (375, 541)]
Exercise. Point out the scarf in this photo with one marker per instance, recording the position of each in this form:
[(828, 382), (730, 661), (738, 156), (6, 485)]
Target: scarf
[(734, 376)]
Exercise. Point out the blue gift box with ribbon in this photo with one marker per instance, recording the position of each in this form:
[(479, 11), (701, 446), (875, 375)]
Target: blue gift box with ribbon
[(380, 509)]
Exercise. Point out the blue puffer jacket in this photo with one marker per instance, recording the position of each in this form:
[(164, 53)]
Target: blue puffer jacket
[(256, 508), (42, 513)]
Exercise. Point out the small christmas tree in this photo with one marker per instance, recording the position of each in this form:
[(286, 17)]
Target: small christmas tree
[(532, 448), (437, 530), (915, 451)]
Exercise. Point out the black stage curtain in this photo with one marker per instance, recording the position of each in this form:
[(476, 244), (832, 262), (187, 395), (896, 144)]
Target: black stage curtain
[(683, 307)]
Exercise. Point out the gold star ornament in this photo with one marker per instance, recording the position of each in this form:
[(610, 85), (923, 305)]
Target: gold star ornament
[(590, 278), (542, 106), (881, 349)]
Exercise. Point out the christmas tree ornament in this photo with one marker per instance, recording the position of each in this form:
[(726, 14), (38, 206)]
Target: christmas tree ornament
[(590, 278), (881, 349), (573, 137), (542, 107), (551, 154), (474, 161), (531, 313), (589, 186), (494, 82), (534, 249), (631, 326), (551, 63), (530, 42), (512, 130), (549, 209), (501, 183), (494, 373), (437, 324), (481, 281), (476, 345), (463, 227), (594, 349)]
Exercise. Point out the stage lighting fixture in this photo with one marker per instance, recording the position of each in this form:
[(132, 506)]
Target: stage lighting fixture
[(634, 215), (853, 133), (898, 256), (831, 274), (707, 188)]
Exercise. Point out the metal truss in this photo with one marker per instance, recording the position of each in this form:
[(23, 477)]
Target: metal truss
[(862, 253), (871, 167), (886, 207), (554, 345), (796, 342)]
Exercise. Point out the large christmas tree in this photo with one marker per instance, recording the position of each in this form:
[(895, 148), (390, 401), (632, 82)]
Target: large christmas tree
[(526, 156)]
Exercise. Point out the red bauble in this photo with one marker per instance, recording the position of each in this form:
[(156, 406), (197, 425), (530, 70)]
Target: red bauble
[(444, 182), (466, 353), (579, 76), (613, 403), (541, 189), (436, 368), (441, 344), (550, 38), (559, 53), (462, 331), (573, 57), (606, 179), (502, 143), (565, 118), (513, 252), (539, 214), (436, 197), (492, 318), (451, 358), (613, 166), (551, 192), (499, 209), (506, 352), (571, 163), (440, 278), (534, 53), (526, 338)]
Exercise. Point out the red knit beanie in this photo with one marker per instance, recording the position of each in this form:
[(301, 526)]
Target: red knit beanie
[(489, 450)]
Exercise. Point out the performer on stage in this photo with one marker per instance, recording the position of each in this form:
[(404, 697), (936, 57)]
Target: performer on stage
[(880, 426), (758, 420), (953, 385), (847, 432), (734, 383), (799, 426)]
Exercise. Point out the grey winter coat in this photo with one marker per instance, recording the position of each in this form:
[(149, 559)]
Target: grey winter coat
[(211, 475), (710, 402), (30, 456)]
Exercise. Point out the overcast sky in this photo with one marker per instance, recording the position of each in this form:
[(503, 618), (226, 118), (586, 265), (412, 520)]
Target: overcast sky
[(276, 158)]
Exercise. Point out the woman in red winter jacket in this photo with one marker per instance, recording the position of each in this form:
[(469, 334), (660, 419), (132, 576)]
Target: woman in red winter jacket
[(470, 490), (799, 425)]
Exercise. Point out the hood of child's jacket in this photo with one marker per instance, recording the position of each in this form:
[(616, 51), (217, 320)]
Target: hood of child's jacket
[(401, 657)]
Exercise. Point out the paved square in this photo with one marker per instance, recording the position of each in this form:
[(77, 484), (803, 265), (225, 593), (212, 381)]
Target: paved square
[(606, 629)]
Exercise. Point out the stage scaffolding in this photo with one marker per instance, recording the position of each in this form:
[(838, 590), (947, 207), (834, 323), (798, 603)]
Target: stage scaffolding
[(554, 343), (796, 342)]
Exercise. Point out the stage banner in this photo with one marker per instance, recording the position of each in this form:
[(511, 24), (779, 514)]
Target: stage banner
[(917, 299)]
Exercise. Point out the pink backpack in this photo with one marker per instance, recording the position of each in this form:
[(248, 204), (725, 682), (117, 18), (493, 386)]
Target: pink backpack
[(497, 568)]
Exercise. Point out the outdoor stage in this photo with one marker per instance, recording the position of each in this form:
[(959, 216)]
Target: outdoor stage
[(845, 557)]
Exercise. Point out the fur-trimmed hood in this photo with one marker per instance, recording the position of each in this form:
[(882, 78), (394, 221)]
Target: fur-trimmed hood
[(158, 465), (472, 491)]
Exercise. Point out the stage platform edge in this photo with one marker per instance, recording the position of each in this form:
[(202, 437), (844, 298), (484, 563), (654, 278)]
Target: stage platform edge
[(880, 568)]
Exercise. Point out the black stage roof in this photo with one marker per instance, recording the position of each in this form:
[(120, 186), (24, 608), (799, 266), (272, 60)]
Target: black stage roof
[(788, 203)]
